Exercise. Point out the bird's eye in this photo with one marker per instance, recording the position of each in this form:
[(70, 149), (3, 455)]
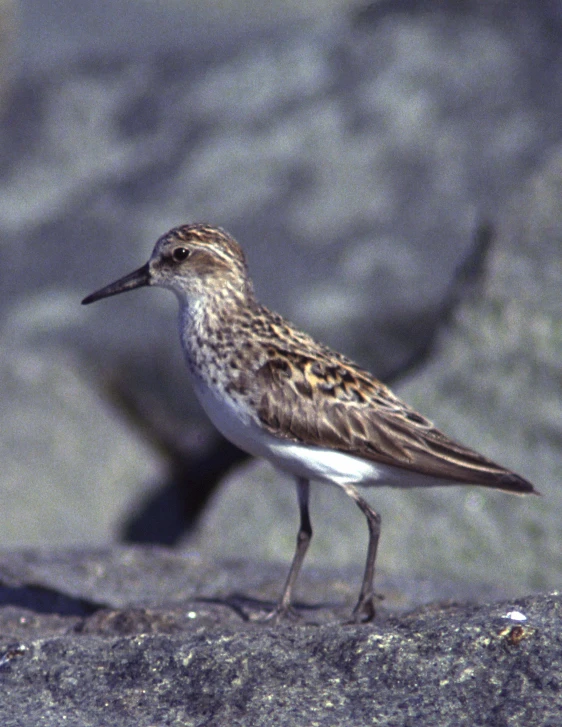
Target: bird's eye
[(180, 254)]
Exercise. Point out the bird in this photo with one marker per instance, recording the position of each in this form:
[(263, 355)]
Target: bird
[(276, 393)]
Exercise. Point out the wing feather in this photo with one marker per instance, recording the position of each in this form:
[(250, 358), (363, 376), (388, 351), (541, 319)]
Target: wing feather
[(339, 406)]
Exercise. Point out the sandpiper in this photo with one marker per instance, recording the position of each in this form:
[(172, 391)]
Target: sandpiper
[(278, 394)]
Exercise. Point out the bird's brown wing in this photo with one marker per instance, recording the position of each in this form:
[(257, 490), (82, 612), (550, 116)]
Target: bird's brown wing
[(331, 403)]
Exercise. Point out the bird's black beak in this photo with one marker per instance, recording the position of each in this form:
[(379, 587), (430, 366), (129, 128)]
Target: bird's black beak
[(136, 279)]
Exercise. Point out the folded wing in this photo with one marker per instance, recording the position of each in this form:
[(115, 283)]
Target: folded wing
[(320, 402)]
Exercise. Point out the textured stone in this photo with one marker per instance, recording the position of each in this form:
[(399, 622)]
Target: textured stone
[(197, 662), (64, 477)]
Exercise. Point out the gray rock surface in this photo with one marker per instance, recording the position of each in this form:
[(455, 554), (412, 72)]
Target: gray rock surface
[(193, 661), (8, 36), (50, 428)]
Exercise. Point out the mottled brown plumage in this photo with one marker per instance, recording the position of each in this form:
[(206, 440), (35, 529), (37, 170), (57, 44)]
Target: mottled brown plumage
[(308, 394), (277, 393)]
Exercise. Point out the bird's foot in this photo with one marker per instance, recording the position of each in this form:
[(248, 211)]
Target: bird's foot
[(280, 614), (365, 610)]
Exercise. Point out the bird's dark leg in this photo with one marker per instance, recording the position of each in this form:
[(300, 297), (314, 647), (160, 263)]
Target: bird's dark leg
[(303, 541), (365, 608)]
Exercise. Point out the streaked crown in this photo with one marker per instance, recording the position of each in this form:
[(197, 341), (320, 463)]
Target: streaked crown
[(203, 235)]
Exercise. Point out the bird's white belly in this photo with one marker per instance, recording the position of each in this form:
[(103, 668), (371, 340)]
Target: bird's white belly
[(301, 460)]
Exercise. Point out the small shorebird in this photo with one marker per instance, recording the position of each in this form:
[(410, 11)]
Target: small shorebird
[(276, 393)]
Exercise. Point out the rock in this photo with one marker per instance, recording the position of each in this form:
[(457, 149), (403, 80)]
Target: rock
[(66, 480), (8, 43), (196, 661), (494, 382)]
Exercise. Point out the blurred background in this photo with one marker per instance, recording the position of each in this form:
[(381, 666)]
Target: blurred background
[(393, 171)]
